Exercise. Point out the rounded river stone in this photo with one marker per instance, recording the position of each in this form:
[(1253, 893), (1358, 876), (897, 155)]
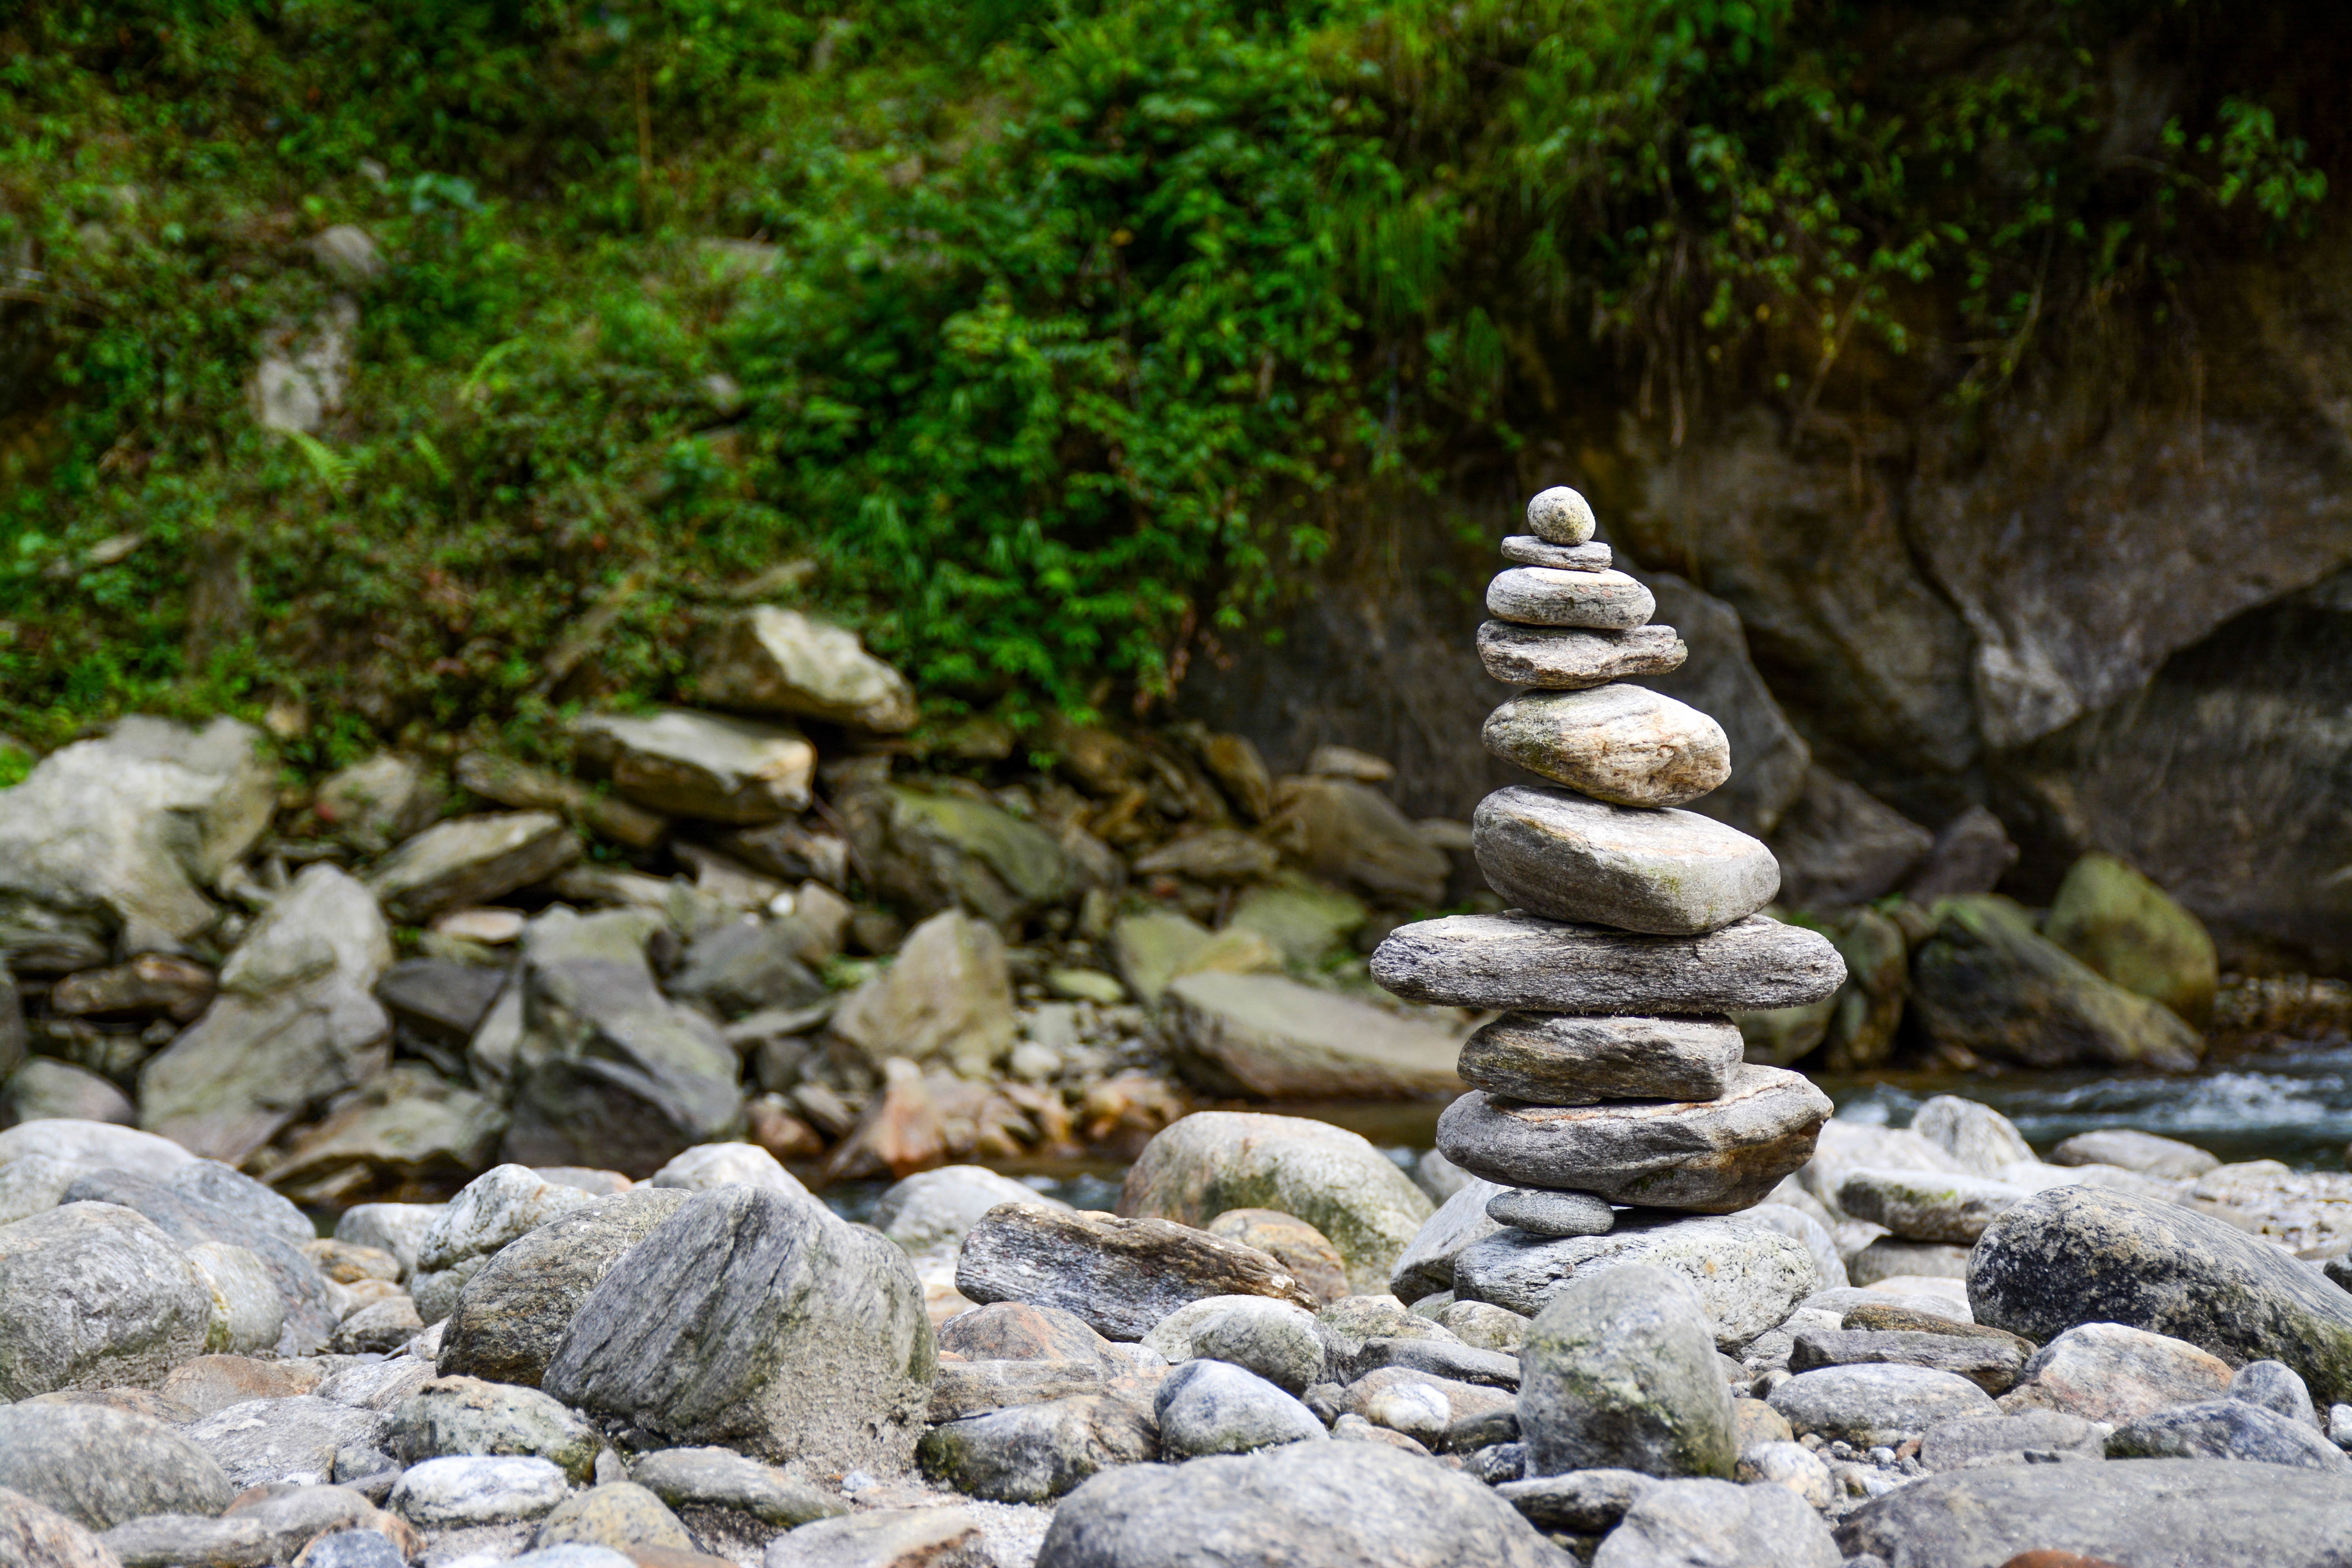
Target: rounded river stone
[(1560, 516), (1526, 550), (1666, 873), (1550, 1213), (1544, 596), (1619, 744)]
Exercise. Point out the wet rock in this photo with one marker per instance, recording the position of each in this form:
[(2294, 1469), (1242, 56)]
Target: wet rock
[(759, 1320), (1215, 1407), (1988, 982), (2274, 1387), (1299, 1246), (95, 1296), (1568, 660), (449, 1493), (1920, 1206), (1630, 747), (1121, 1276), (2028, 1436), (1332, 1179), (722, 1478), (1307, 1505), (1715, 1524), (1620, 1373), (2107, 1372), (1711, 1156), (293, 1439), (700, 764), (2227, 1429), (2166, 1159), (33, 1536), (213, 1383), (2150, 1511), (1837, 845), (1031, 1453), (1351, 835), (471, 860), (948, 995), (295, 1021), (2087, 1254), (1518, 963), (1580, 1502), (467, 1415), (2125, 927), (1749, 1279), (771, 661), (1868, 1405), (1263, 1037), (1991, 1364), (887, 1538), (619, 1514), (1275, 1340), (99, 1465), (1558, 1059)]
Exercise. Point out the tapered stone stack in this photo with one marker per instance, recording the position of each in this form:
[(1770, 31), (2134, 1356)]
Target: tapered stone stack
[(1613, 1078)]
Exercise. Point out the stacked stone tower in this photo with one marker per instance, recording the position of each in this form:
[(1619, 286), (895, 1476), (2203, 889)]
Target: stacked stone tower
[(1614, 1078)]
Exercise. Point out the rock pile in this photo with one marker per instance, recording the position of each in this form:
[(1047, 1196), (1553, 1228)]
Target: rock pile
[(1615, 1079)]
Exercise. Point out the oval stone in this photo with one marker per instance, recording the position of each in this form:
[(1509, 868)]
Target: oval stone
[(1526, 550), (1570, 658), (1560, 516), (1545, 596), (1563, 1060), (1618, 743), (1669, 873)]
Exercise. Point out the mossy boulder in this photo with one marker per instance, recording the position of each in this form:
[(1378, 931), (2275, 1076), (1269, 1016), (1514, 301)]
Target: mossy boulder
[(2125, 927)]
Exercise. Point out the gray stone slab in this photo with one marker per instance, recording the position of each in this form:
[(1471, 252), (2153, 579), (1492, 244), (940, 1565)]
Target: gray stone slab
[(1542, 597), (1564, 1059), (1570, 658), (1518, 963), (1526, 550)]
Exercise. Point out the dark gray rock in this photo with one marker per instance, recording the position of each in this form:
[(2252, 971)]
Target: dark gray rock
[(1991, 1364), (1517, 962), (1872, 1404), (2227, 1429), (745, 965), (293, 1439), (757, 1319), (1620, 1373), (35, 1536), (438, 998), (93, 1296), (1305, 1505), (1749, 1279), (1715, 1524), (1426, 1267), (2029, 1437), (1215, 1407), (516, 1308), (467, 1415), (1030, 1452), (1768, 758), (1838, 845), (2274, 1387), (1121, 1276), (722, 1478), (1562, 1060), (1564, 658), (1557, 854), (1580, 1502), (2090, 1255), (98, 1465), (1551, 1212), (2150, 1513)]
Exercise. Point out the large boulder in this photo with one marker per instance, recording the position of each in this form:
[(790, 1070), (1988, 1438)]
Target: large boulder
[(1988, 982), (771, 661), (296, 1022), (948, 995), (94, 1296), (1301, 1505), (757, 1320), (110, 842), (1620, 1371), (98, 1465), (514, 1310), (471, 860), (700, 764), (1121, 1276), (1332, 1178), (2089, 1255), (1261, 1037), (2127, 928)]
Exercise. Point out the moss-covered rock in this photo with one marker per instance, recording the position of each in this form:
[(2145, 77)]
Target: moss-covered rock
[(2130, 931)]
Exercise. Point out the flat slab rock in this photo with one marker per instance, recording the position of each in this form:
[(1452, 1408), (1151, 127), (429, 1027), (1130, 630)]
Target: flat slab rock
[(1559, 854), (1625, 745), (1265, 1037), (1516, 962), (1543, 597), (1120, 1276), (1711, 1156), (1749, 1279), (1570, 658), (1526, 550), (1565, 1060)]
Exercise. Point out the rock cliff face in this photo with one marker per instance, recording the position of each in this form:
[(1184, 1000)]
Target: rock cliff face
[(2111, 604)]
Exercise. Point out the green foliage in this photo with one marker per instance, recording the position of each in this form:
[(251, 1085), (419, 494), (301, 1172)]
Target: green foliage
[(1057, 341)]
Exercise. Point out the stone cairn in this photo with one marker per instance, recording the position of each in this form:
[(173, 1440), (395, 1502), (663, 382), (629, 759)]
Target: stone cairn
[(1614, 1078)]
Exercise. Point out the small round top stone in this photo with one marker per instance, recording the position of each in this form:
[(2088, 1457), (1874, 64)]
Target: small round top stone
[(1560, 516)]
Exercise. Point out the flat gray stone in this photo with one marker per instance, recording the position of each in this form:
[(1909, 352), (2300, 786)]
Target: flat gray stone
[(1568, 658), (1519, 963), (1560, 516), (1426, 1267), (95, 1296), (701, 764), (1031, 1453), (1991, 1364), (1708, 1156), (98, 1465), (2166, 1159), (1267, 1037), (937, 1208), (1927, 1206), (1441, 1358), (1582, 1502), (1552, 1212), (1748, 1278), (2227, 1429), (291, 1440), (1542, 597), (1215, 1408), (1620, 1373), (93, 1145), (272, 1527), (2031, 1437), (471, 860), (723, 1479), (1670, 873), (1560, 1058), (1874, 1405), (1624, 745), (2107, 1372), (1526, 550), (1121, 1276), (1707, 1524)]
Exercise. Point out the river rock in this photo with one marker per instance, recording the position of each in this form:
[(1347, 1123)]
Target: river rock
[(1015, 1330), (937, 1208), (512, 1312), (948, 995), (1786, 1464), (1215, 1407), (1483, 1326), (1580, 1502), (1988, 982), (1526, 550), (1566, 858), (95, 1296), (2274, 1387), (468, 1416), (757, 1321), (1560, 516), (931, 850), (1982, 1139), (33, 1536), (722, 1478), (1749, 1279), (2182, 1513), (1031, 1453), (248, 1314), (450, 1493), (1551, 1212), (700, 764), (1290, 1241), (967, 1388), (96, 1145), (1544, 597), (2166, 1159), (1426, 1267), (771, 661), (381, 1385), (1623, 744), (212, 1383), (469, 861), (2107, 1372), (1304, 1505), (500, 1205), (930, 1537), (1121, 1276), (1891, 1258), (1568, 659), (2227, 1429), (744, 965), (709, 1165), (1275, 1340), (378, 1327), (1620, 1373), (1335, 1180), (293, 1439), (1710, 1156), (397, 1228), (2127, 929), (618, 1514), (1799, 1226), (98, 1465), (295, 1021), (45, 1089), (267, 1527), (1563, 1060), (1991, 1364), (1264, 1036), (1871, 1404), (2087, 1255), (1445, 1359), (1920, 1206), (440, 998), (1715, 1524), (2028, 1436), (1517, 962), (1351, 835)]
